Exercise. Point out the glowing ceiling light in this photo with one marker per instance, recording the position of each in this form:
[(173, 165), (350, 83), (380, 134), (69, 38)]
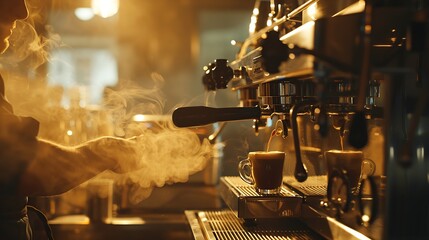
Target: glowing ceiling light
[(105, 8), (84, 14)]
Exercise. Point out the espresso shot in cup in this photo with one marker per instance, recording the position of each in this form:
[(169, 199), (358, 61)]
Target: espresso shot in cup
[(263, 170), (352, 163)]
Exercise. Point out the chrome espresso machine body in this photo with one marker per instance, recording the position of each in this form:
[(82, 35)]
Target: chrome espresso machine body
[(343, 75)]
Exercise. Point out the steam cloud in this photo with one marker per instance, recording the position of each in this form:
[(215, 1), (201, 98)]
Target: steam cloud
[(167, 154)]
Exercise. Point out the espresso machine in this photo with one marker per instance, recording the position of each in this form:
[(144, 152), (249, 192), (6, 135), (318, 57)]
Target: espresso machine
[(327, 75)]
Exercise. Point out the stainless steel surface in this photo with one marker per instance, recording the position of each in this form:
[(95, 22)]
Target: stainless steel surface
[(248, 204), (359, 68), (300, 8), (312, 193), (298, 67), (336, 91), (219, 225), (281, 95)]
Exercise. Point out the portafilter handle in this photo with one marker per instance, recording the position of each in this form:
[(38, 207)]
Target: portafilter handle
[(201, 115)]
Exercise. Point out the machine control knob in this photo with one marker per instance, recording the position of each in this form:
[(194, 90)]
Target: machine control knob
[(222, 73)]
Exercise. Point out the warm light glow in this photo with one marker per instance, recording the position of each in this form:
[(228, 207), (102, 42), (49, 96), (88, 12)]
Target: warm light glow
[(139, 118), (252, 25), (312, 11), (255, 11), (128, 221), (317, 110), (69, 132), (391, 152), (253, 19), (252, 28), (316, 127), (84, 14), (105, 8), (150, 118), (420, 154)]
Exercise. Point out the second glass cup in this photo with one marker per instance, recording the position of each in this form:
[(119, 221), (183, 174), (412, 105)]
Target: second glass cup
[(266, 171)]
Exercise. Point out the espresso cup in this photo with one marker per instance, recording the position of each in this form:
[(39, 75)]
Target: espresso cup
[(100, 200), (352, 163), (266, 171)]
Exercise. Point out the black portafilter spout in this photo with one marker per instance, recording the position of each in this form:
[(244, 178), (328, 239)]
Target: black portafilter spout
[(201, 115)]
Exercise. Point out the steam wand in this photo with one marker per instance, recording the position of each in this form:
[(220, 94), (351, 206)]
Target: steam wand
[(301, 173), (358, 136)]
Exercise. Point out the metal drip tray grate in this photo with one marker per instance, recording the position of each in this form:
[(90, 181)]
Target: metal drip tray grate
[(219, 225), (246, 190), (242, 199), (313, 186)]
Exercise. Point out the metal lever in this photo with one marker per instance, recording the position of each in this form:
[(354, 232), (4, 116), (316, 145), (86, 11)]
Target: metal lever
[(200, 115)]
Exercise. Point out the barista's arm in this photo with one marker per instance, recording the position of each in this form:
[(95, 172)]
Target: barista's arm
[(56, 169)]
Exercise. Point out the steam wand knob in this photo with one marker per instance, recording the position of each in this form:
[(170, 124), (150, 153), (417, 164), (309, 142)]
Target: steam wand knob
[(222, 73)]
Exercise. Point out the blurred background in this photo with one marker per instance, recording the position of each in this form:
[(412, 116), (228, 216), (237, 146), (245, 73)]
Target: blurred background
[(135, 39)]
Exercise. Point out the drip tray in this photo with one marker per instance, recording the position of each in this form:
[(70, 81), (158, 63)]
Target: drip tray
[(243, 200), (313, 186), (219, 225)]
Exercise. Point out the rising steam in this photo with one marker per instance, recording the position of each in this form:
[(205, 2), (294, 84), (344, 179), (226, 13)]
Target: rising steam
[(166, 154), (27, 48)]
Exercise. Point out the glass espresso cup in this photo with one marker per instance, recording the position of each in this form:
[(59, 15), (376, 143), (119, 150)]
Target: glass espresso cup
[(266, 171), (352, 163), (100, 200)]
